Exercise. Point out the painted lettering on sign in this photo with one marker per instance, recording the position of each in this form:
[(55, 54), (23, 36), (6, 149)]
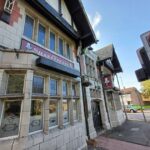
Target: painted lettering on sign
[(26, 45)]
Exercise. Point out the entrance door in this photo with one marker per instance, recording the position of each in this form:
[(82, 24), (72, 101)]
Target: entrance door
[(96, 116)]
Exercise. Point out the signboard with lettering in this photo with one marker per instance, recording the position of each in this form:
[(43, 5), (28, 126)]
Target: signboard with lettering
[(107, 81), (27, 45)]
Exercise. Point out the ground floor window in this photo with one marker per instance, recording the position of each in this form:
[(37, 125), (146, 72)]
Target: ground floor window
[(65, 111), (53, 113), (36, 117), (75, 110), (10, 118)]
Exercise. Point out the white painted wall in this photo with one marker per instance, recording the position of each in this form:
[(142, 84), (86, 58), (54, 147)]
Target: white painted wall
[(53, 3)]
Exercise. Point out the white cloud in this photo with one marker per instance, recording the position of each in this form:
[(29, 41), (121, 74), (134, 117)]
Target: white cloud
[(98, 34), (95, 21)]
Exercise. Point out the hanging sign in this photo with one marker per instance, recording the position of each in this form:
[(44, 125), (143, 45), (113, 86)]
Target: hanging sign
[(107, 81), (9, 5)]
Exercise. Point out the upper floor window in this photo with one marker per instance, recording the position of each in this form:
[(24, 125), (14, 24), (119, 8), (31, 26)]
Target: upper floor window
[(68, 51), (15, 84), (52, 41), (60, 46), (64, 88), (28, 28), (41, 35), (53, 87), (38, 85)]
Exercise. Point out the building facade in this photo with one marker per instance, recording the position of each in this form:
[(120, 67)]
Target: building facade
[(131, 96), (41, 105), (97, 120), (108, 65)]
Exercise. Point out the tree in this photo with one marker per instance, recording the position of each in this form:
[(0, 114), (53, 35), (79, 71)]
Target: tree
[(145, 88)]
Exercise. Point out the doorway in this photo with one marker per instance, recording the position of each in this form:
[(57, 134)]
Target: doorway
[(97, 120)]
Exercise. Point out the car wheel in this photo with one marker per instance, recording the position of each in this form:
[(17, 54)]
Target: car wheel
[(132, 111)]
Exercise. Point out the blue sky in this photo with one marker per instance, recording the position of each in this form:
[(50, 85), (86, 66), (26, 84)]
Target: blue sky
[(121, 22)]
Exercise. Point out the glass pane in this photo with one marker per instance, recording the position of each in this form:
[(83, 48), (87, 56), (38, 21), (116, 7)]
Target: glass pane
[(53, 121), (15, 84), (38, 85), (52, 41), (28, 28), (65, 111), (41, 35), (53, 87), (36, 120), (64, 88), (73, 90), (10, 119), (75, 109), (68, 51), (60, 48)]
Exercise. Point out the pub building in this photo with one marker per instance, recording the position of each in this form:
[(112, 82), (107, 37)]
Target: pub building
[(109, 66), (41, 106)]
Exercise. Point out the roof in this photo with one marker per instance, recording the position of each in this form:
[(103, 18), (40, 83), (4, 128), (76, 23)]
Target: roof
[(78, 14), (108, 53)]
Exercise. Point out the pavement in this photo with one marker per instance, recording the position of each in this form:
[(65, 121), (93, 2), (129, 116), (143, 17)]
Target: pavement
[(105, 143), (131, 135), (139, 116)]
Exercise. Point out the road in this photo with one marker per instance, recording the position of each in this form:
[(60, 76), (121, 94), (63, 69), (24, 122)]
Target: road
[(139, 116)]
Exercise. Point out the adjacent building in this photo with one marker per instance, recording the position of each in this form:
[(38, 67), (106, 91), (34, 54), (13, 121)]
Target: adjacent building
[(41, 103), (108, 66), (131, 96), (95, 110)]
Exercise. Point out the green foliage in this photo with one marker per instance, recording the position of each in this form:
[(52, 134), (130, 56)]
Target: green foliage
[(145, 88)]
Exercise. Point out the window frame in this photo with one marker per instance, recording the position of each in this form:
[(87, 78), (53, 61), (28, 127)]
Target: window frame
[(51, 127), (77, 108), (1, 116), (45, 37), (68, 46), (43, 84), (42, 114), (64, 81), (63, 50), (68, 122), (56, 86), (51, 31), (6, 87), (34, 23)]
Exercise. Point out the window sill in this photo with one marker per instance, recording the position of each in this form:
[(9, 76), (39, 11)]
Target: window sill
[(53, 127), (55, 97), (11, 96), (9, 138), (35, 132), (41, 96), (76, 97)]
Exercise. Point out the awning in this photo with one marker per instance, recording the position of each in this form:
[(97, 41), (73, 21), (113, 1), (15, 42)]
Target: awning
[(51, 65)]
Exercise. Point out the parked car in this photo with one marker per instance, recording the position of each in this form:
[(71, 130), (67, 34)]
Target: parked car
[(131, 109)]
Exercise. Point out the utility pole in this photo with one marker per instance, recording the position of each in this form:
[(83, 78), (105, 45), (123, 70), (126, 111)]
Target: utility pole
[(141, 107), (122, 98)]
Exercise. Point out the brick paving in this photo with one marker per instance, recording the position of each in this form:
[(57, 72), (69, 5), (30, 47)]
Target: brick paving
[(104, 143)]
